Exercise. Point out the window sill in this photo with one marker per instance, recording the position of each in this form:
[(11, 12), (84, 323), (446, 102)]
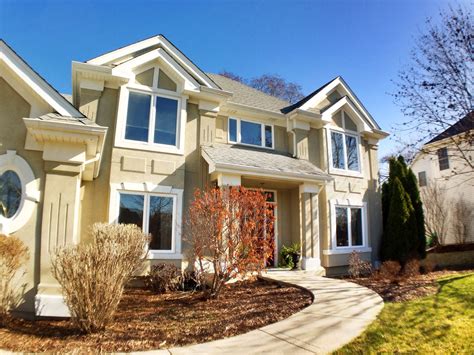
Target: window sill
[(347, 250), (356, 174), (157, 255), (149, 147)]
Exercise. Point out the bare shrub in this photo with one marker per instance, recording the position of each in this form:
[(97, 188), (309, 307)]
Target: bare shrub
[(358, 267), (428, 266), (93, 275), (411, 268), (164, 278), (13, 254), (227, 230), (462, 215), (389, 270)]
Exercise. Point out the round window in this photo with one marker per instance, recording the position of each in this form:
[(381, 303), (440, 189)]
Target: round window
[(10, 193)]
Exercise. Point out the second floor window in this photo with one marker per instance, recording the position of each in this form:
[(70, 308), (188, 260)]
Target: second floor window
[(345, 151), (443, 159), (250, 133), (152, 118)]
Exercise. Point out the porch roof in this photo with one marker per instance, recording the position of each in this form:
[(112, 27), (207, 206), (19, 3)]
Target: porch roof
[(258, 162)]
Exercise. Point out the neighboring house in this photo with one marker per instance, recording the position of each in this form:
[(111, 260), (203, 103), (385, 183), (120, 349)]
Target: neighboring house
[(446, 161), (147, 127)]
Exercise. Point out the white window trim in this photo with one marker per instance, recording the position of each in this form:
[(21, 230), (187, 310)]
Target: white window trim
[(262, 132), (120, 140), (29, 191), (347, 203), (344, 132), (150, 189)]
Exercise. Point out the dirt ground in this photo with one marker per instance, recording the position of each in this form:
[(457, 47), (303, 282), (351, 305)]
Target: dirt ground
[(147, 321)]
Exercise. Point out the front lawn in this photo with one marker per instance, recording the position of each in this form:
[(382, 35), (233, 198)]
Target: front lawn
[(439, 323)]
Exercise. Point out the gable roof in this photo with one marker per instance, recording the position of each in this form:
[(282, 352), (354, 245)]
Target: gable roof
[(248, 96), (463, 125), (131, 51), (306, 98), (37, 83)]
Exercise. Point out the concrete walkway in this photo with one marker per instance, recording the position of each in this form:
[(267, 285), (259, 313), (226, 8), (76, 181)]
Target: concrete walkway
[(340, 312)]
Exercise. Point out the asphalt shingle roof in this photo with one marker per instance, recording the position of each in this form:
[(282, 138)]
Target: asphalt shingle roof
[(463, 125), (245, 95), (266, 161), (55, 117)]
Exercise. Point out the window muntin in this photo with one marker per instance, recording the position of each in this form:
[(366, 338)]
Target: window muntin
[(349, 230), (422, 178), (443, 158), (10, 194), (153, 213), (162, 119), (250, 133)]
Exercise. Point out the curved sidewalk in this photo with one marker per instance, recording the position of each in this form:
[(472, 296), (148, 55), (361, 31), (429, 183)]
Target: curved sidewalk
[(340, 312)]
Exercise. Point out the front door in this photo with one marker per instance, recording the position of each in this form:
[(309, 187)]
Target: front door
[(270, 232)]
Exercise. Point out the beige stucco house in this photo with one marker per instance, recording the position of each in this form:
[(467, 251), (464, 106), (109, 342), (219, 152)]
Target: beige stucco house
[(446, 161), (146, 127)]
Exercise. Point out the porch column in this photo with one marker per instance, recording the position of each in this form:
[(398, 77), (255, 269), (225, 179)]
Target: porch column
[(309, 225), (59, 228)]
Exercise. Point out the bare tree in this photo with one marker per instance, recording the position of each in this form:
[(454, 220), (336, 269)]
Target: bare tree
[(271, 84), (436, 208), (435, 90), (462, 215)]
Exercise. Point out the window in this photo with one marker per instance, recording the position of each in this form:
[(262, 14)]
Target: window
[(153, 213), (422, 178), (443, 159), (250, 133), (349, 231), (345, 146), (19, 192), (151, 113), (10, 194), (345, 151)]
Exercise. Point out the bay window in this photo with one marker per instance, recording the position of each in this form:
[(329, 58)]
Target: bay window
[(250, 133)]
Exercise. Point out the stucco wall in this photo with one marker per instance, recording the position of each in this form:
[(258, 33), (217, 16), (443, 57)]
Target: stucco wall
[(13, 108)]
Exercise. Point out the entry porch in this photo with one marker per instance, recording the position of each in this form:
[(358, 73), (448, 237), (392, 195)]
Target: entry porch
[(293, 186)]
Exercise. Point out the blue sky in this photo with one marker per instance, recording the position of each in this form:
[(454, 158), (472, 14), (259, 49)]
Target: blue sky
[(308, 42)]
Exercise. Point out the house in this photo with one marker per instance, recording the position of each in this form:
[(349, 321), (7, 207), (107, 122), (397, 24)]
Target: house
[(447, 162), (146, 127)]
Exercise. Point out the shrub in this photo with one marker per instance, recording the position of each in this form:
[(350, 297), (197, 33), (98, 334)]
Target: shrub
[(164, 278), (228, 231), (358, 267), (389, 270), (428, 266), (93, 275), (411, 268), (13, 254)]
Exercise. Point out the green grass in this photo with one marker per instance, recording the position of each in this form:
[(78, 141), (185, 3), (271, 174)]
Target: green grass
[(442, 323)]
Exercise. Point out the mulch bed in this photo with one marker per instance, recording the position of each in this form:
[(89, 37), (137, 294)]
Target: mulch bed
[(147, 321), (406, 288)]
